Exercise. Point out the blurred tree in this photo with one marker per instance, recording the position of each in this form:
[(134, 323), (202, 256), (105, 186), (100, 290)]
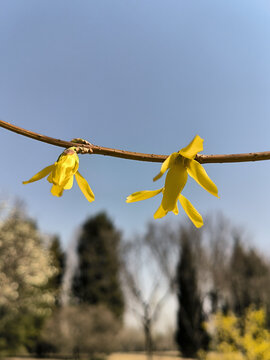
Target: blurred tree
[(191, 335), (90, 330), (249, 279), (96, 280), (163, 242), (217, 235), (232, 275), (59, 261), (145, 287), (25, 297)]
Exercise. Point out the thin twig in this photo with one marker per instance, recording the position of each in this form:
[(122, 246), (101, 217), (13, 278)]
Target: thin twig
[(101, 150)]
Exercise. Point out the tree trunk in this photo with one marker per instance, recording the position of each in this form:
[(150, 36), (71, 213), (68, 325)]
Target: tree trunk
[(148, 334)]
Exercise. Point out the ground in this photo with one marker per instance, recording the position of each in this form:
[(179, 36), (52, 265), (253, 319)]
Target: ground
[(130, 356)]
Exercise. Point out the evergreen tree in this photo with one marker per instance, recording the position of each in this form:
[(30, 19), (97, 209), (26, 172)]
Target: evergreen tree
[(190, 335), (96, 280), (249, 279), (58, 260)]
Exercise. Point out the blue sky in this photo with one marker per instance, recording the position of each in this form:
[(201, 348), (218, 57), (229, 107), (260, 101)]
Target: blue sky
[(136, 75)]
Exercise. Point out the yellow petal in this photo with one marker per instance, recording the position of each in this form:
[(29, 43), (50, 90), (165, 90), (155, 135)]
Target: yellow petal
[(174, 184), (166, 165), (142, 195), (198, 173), (175, 210), (49, 178), (69, 183), (160, 213), (64, 168), (40, 175), (195, 146), (191, 212), (84, 186), (57, 190)]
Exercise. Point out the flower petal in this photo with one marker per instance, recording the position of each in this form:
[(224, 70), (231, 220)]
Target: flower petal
[(160, 213), (174, 184), (198, 173), (165, 165), (57, 190), (175, 210), (84, 186), (142, 195), (49, 178), (40, 175), (195, 146), (191, 212), (64, 168), (69, 183)]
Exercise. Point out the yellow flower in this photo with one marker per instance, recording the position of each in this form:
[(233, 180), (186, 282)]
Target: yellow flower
[(61, 175), (179, 165)]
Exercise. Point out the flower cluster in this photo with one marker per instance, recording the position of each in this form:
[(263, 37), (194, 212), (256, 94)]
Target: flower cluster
[(179, 165)]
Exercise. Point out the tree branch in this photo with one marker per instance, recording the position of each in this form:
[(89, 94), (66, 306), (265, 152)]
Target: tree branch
[(101, 150)]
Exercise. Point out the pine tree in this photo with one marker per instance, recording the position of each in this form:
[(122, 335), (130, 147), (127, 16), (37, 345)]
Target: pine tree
[(190, 335), (96, 281)]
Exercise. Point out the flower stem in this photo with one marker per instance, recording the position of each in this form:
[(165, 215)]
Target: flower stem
[(101, 150)]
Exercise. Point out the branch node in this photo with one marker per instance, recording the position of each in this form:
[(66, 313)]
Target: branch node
[(81, 141), (83, 149)]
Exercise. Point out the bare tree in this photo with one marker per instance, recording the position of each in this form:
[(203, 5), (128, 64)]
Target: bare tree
[(145, 285), (150, 261), (163, 243)]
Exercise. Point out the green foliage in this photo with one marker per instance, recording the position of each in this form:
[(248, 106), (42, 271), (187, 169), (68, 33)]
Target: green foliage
[(191, 335), (96, 280), (241, 337), (25, 298)]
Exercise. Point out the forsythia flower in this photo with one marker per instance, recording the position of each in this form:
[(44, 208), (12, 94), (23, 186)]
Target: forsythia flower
[(180, 164), (61, 175)]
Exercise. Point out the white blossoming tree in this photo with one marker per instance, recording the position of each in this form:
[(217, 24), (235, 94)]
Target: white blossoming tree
[(25, 269)]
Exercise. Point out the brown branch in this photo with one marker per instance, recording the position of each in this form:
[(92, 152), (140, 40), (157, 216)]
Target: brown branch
[(101, 150)]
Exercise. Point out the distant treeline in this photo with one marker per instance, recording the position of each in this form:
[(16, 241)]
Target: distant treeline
[(209, 271)]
